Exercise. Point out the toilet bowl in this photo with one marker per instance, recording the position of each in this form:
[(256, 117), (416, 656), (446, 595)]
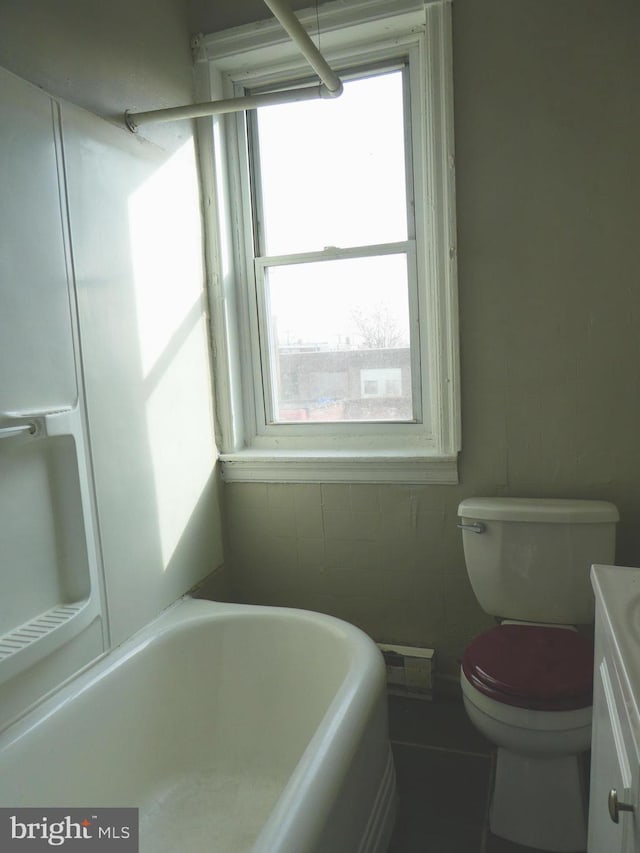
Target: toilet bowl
[(539, 794), (526, 732), (527, 682)]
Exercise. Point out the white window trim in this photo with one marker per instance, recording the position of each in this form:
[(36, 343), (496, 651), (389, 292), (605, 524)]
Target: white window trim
[(358, 31)]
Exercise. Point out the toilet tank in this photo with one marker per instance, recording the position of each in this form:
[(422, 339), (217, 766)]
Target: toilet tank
[(532, 558)]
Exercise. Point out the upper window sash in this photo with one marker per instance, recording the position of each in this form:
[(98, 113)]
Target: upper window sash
[(314, 162)]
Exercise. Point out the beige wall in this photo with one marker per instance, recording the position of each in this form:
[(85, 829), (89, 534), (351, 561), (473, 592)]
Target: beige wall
[(547, 137), (208, 17), (103, 56)]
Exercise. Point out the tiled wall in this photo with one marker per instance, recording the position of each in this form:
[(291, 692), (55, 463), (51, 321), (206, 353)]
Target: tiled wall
[(374, 555)]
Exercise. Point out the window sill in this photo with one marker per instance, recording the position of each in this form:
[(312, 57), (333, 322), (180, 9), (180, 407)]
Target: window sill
[(331, 467)]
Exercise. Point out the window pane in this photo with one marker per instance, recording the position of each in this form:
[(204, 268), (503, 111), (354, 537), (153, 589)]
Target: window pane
[(333, 171), (340, 340)]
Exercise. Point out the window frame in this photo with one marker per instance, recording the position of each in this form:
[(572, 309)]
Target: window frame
[(366, 34)]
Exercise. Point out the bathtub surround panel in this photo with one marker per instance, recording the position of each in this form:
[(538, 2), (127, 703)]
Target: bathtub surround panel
[(547, 134), (50, 588), (137, 254), (142, 342), (37, 364)]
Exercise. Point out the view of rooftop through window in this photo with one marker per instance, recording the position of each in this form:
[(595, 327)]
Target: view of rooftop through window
[(334, 254)]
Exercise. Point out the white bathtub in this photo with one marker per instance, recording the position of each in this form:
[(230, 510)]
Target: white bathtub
[(233, 728)]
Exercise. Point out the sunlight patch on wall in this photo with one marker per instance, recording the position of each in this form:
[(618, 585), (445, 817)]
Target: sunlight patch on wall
[(166, 248), (180, 438), (166, 251)]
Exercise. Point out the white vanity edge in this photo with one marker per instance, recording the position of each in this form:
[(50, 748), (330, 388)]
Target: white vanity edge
[(617, 591)]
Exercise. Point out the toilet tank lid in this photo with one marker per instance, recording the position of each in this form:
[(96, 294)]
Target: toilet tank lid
[(550, 510)]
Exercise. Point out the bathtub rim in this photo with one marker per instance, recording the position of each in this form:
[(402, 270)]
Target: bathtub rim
[(164, 623), (331, 746)]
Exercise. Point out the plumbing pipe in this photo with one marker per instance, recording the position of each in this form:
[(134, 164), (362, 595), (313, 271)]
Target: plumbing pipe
[(228, 105), (331, 84), (307, 48)]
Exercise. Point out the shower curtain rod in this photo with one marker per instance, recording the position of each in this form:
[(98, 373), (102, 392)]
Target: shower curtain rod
[(331, 86)]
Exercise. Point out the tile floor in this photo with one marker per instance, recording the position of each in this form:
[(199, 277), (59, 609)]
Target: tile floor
[(444, 771)]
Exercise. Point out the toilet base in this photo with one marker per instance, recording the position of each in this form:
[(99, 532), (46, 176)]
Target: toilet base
[(540, 802)]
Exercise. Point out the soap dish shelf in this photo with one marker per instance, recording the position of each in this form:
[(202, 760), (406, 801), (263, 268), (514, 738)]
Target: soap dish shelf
[(29, 642)]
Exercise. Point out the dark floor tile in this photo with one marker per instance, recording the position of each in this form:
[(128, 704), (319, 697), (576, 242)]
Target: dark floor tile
[(442, 724), (444, 772), (501, 845), (439, 786), (421, 836)]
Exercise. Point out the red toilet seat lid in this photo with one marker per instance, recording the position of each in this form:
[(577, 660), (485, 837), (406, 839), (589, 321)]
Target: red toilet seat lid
[(541, 668)]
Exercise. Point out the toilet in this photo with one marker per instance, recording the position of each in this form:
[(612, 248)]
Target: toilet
[(527, 682)]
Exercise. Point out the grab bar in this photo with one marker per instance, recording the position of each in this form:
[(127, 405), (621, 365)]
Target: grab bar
[(41, 424), (11, 431)]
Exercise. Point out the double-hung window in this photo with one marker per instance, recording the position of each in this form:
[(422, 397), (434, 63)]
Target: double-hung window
[(334, 255), (332, 250)]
